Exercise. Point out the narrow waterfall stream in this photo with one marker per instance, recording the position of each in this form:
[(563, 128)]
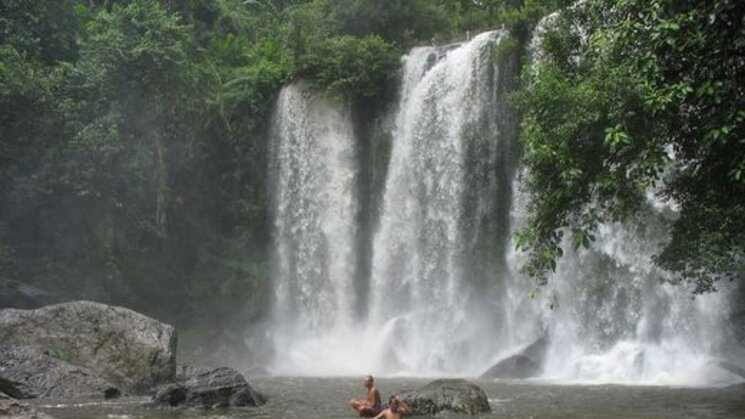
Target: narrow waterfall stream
[(313, 174)]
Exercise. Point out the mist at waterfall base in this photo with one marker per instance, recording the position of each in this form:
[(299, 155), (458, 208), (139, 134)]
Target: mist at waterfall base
[(445, 296)]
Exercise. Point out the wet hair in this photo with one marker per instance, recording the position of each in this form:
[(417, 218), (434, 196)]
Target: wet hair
[(369, 378)]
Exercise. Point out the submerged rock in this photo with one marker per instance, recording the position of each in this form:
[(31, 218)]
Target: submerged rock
[(516, 366), (128, 349), (14, 294), (26, 374), (14, 409), (209, 389), (451, 395), (732, 368), (525, 364)]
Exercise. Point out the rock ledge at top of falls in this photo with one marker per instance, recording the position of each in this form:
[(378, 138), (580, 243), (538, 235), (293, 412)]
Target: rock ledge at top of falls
[(209, 389), (446, 395), (121, 346)]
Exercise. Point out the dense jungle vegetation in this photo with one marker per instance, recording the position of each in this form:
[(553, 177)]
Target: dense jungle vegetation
[(132, 149)]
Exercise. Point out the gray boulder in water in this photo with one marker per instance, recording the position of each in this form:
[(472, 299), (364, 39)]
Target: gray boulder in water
[(27, 374), (447, 395), (132, 351), (209, 389), (525, 364)]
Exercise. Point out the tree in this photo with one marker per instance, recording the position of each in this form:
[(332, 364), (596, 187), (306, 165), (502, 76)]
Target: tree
[(631, 95), (399, 21)]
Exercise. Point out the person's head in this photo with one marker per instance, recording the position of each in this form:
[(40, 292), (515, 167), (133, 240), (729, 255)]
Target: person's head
[(393, 403), (368, 381)]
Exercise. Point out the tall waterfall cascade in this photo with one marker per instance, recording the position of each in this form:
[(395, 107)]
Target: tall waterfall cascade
[(313, 176), (445, 295), (439, 196)]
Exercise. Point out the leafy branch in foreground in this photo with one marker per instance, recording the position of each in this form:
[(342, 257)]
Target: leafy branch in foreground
[(632, 95)]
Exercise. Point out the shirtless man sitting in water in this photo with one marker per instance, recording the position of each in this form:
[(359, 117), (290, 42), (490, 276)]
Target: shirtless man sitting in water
[(370, 405), (396, 409)]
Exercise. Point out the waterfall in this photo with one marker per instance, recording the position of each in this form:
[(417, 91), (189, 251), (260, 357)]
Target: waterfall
[(313, 179), (439, 195), (610, 315), (445, 293)]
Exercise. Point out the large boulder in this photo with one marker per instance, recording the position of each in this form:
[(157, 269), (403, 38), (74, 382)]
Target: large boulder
[(447, 395), (209, 389), (524, 364), (128, 349), (26, 374), (14, 294)]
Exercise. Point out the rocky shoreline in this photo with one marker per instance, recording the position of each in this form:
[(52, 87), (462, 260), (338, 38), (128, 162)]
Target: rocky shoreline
[(88, 350)]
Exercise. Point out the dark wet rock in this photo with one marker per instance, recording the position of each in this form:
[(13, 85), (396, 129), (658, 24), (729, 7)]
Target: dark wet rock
[(171, 395), (186, 371), (516, 366), (525, 364), (26, 374), (112, 393), (11, 408), (451, 395), (132, 351), (14, 294), (732, 368), (209, 389)]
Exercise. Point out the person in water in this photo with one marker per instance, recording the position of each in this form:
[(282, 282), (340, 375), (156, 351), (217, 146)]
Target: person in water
[(396, 409), (371, 404)]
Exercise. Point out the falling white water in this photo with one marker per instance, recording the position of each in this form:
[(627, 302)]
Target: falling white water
[(610, 316), (421, 293), (313, 180)]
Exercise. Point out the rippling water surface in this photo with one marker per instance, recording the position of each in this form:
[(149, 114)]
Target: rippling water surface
[(327, 398)]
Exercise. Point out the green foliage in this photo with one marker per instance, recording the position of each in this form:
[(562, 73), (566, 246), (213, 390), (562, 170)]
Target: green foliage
[(43, 30), (126, 172), (360, 67), (399, 21), (631, 95)]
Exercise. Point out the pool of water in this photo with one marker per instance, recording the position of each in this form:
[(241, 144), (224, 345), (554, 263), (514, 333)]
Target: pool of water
[(292, 398)]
